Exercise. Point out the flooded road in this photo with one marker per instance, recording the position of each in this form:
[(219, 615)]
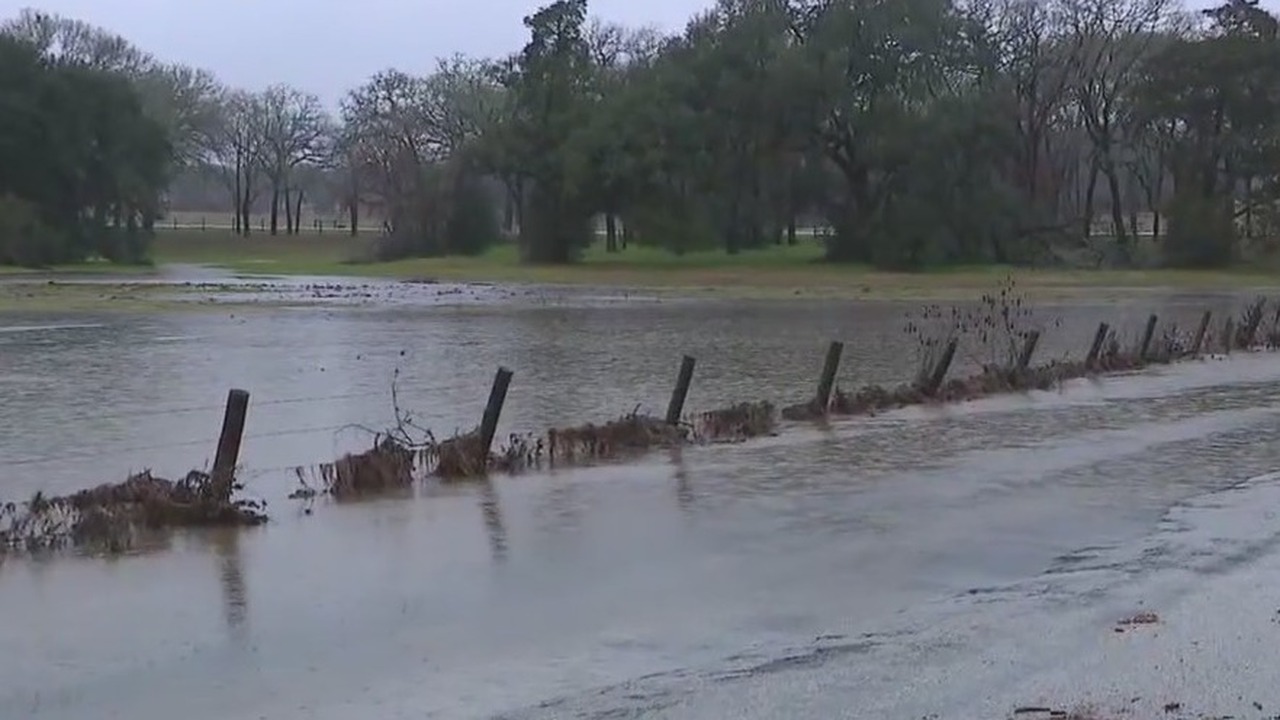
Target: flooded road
[(950, 562)]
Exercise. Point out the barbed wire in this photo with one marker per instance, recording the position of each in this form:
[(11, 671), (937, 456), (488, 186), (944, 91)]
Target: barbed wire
[(302, 400), (211, 441)]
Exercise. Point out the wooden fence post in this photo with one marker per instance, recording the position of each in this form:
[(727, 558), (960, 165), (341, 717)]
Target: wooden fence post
[(228, 455), (1095, 350), (1028, 350), (1147, 336), (827, 382), (493, 411), (676, 407), (1198, 343), (940, 369)]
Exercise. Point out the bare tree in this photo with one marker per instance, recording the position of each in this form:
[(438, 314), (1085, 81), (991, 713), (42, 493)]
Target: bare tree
[(397, 128), (1109, 38), (1036, 57), (181, 98), (67, 38), (186, 100), (233, 149), (292, 130)]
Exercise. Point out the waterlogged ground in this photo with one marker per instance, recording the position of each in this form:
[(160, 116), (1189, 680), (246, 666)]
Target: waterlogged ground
[(961, 562)]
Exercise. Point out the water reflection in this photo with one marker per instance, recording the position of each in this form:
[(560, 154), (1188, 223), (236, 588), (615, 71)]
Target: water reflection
[(495, 531), (225, 543), (684, 490)]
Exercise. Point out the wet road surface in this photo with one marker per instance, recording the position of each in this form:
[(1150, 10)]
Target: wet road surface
[(957, 562)]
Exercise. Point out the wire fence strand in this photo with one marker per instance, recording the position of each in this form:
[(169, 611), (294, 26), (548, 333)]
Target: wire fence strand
[(303, 400), (210, 441)]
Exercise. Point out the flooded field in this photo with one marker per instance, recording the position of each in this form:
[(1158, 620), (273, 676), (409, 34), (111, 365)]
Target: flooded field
[(925, 562)]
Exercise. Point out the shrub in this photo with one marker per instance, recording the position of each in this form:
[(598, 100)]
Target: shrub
[(25, 239)]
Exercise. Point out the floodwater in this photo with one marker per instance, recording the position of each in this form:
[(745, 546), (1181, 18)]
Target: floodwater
[(956, 562)]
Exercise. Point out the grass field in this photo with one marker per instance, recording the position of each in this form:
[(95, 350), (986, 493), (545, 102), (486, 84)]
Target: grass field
[(773, 271), (780, 268)]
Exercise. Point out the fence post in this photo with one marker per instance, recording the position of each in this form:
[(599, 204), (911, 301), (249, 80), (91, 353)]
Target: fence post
[(676, 407), (203, 224), (224, 463), (1147, 336), (940, 369), (827, 382), (1229, 335), (1028, 350), (1095, 350), (1198, 343), (493, 411)]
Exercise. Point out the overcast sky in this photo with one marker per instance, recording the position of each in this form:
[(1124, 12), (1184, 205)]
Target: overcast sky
[(329, 46)]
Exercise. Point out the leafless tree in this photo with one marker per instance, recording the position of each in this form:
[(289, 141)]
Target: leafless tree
[(1109, 38), (181, 98), (293, 129), (233, 149), (397, 128), (62, 37), (1035, 56)]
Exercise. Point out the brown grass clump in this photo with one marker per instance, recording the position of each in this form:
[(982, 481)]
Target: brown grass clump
[(386, 466), (1246, 329), (109, 516), (736, 423), (630, 434), (458, 457)]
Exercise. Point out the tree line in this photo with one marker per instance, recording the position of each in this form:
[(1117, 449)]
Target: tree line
[(920, 132)]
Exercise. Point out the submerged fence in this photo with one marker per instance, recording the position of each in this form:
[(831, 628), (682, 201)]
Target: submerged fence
[(111, 517)]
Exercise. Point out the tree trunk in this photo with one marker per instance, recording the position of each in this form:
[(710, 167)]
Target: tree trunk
[(288, 211), (1117, 215), (1248, 207), (1090, 191), (275, 208), (235, 198), (791, 230), (731, 244), (509, 211), (246, 203), (353, 210), (610, 233), (297, 213)]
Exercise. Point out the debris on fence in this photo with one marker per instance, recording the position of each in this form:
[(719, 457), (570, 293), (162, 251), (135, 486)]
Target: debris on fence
[(630, 434), (110, 517), (1250, 321), (736, 423), (385, 466), (394, 463)]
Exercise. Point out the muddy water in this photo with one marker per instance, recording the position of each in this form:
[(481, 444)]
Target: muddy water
[(680, 585)]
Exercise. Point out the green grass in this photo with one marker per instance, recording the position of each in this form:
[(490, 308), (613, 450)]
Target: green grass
[(789, 270), (776, 268), (91, 267)]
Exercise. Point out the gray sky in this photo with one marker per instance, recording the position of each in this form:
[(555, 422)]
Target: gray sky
[(330, 46)]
